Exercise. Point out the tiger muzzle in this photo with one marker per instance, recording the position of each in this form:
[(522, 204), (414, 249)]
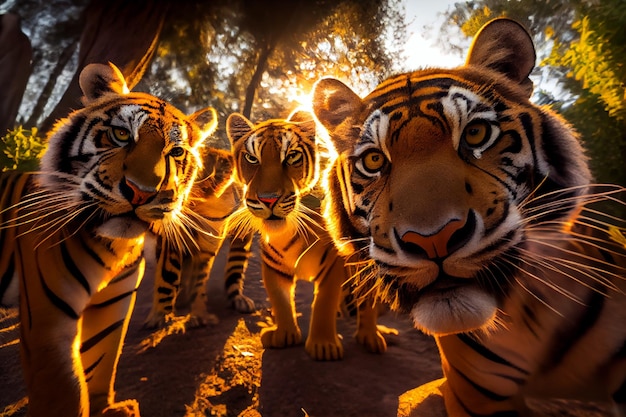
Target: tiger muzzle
[(135, 194), (448, 239)]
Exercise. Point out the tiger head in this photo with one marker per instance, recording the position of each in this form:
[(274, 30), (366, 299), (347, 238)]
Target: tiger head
[(126, 160), (439, 175), (276, 162)]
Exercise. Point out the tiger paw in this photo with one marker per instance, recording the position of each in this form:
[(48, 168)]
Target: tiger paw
[(273, 337), (321, 350), (243, 304), (158, 320), (128, 408), (201, 320), (374, 341)]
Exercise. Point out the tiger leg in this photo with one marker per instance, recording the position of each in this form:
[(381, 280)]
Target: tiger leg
[(104, 326), (196, 281), (236, 264), (368, 332), (323, 341), (280, 291), (166, 283), (51, 365), (49, 334)]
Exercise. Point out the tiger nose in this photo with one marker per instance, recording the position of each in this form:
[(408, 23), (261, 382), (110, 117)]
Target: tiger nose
[(135, 194), (438, 245), (268, 199)]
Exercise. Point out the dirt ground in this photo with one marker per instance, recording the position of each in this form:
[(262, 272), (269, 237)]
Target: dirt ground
[(223, 370)]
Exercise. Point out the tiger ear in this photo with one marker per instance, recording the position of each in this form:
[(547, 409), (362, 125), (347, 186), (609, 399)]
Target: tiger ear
[(206, 120), (336, 106), (98, 79), (505, 46), (304, 120), (237, 126)]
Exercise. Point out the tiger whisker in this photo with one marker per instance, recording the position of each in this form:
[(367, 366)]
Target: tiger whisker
[(596, 242), (58, 225), (589, 271), (47, 225), (577, 254), (525, 288), (28, 216), (558, 203)]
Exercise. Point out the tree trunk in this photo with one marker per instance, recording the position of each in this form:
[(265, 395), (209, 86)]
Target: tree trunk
[(123, 32), (256, 78), (15, 67), (47, 89)]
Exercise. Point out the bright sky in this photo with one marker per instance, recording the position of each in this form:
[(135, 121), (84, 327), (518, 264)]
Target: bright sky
[(424, 18)]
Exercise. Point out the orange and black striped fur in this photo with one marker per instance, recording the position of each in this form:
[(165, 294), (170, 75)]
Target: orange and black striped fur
[(471, 209), (72, 236), (181, 274), (277, 164)]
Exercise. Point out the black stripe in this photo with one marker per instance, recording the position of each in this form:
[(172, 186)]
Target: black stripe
[(486, 353), (484, 391), (73, 269), (165, 290), (7, 277), (57, 301), (275, 256), (64, 163), (232, 279), (131, 269), (281, 273), (95, 256), (93, 366), (169, 277), (113, 300), (237, 258), (295, 238), (98, 337), (323, 272), (325, 254), (566, 337)]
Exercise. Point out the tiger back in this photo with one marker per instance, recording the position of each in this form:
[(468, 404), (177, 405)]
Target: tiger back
[(472, 210), (74, 241), (182, 269), (277, 164)]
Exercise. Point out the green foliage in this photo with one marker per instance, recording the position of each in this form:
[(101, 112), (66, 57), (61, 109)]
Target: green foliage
[(597, 57), (21, 149)]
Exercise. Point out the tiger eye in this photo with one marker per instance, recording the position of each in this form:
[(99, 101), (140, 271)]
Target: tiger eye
[(373, 161), (293, 157), (476, 133), (177, 151), (251, 159), (121, 134)]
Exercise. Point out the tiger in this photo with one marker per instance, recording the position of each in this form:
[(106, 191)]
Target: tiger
[(72, 236), (472, 210), (277, 163), (182, 268)]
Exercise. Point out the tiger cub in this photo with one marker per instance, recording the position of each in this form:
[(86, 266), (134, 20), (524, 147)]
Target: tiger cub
[(277, 163), (470, 207), (181, 274), (73, 233)]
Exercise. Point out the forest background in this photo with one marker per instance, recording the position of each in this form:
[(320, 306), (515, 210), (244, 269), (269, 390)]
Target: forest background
[(261, 57)]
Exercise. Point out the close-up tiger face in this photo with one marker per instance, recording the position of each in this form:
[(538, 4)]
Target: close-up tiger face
[(276, 162), (136, 159), (437, 175)]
